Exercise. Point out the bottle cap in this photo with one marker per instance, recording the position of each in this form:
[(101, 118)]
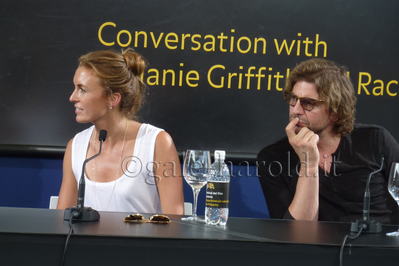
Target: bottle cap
[(221, 155)]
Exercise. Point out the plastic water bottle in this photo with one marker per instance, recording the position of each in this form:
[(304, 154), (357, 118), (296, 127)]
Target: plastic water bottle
[(217, 191)]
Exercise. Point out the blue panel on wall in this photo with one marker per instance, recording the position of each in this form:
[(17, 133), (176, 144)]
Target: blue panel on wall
[(29, 182)]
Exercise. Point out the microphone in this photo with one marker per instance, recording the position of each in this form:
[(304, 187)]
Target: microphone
[(367, 225), (81, 213)]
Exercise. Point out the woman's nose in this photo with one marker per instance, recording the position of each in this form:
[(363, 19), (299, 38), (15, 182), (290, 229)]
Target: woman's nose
[(73, 97)]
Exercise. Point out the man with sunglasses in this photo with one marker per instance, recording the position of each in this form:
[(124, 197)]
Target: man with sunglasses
[(319, 170)]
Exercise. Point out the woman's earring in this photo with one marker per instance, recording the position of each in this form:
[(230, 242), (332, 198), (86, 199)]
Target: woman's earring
[(110, 107)]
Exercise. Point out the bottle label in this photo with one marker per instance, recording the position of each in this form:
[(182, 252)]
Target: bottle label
[(217, 194)]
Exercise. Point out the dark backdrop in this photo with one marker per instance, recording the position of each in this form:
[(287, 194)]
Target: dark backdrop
[(41, 41)]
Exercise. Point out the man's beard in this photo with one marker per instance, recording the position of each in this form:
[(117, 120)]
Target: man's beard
[(316, 129)]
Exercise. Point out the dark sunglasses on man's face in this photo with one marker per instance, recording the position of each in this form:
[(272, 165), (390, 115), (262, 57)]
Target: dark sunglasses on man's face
[(306, 103)]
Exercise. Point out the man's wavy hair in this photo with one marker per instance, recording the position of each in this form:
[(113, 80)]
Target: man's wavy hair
[(334, 87)]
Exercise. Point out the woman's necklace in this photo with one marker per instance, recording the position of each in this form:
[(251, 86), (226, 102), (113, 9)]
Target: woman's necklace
[(117, 168)]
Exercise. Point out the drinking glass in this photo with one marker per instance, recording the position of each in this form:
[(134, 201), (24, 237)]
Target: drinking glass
[(393, 188), (195, 171)]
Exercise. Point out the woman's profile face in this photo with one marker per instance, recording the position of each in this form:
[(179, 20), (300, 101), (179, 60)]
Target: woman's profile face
[(88, 96)]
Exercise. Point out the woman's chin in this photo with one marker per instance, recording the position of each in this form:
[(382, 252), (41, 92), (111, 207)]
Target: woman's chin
[(81, 120)]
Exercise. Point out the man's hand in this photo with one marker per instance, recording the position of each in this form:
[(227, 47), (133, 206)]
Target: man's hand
[(304, 143)]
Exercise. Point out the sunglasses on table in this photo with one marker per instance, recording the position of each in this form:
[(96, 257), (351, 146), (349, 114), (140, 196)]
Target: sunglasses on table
[(307, 103), (138, 218)]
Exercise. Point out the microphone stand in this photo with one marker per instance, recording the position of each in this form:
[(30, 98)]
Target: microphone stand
[(79, 212), (366, 224)]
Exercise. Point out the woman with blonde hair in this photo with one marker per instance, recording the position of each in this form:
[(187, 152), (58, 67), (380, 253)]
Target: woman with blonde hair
[(138, 169)]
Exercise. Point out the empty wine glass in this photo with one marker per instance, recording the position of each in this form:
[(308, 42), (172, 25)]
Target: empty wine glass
[(195, 171), (393, 188)]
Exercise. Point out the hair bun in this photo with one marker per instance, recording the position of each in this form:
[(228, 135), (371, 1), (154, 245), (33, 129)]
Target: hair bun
[(134, 61)]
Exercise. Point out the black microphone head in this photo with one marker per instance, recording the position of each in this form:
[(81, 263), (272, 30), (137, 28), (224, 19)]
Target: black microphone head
[(103, 135)]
